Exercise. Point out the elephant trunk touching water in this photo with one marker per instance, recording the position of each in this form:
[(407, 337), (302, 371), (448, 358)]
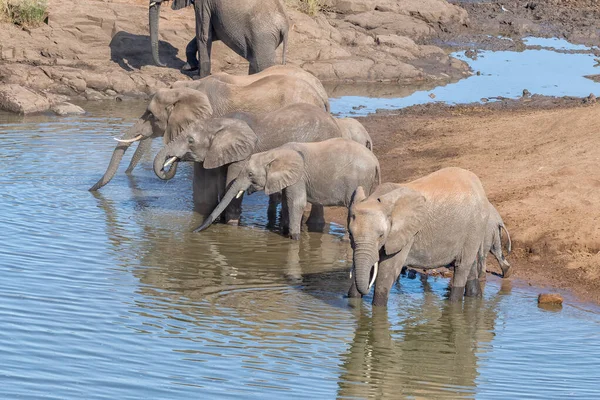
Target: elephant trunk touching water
[(142, 129)]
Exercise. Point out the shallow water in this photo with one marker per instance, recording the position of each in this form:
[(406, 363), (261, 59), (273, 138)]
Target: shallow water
[(109, 296), (551, 67)]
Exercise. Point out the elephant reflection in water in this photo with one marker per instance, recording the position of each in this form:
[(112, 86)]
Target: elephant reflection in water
[(434, 355), (253, 273)]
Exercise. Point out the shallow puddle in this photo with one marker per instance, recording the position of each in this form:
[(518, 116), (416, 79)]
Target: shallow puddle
[(551, 67), (110, 296)]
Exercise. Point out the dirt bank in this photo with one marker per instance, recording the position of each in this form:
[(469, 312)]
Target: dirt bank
[(538, 161), (96, 49)]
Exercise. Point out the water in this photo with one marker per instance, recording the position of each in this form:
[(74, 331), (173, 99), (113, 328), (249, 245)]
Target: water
[(551, 67), (109, 296)]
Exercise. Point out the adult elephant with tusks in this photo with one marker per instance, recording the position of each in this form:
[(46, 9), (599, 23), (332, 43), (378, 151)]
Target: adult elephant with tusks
[(251, 28), (220, 142), (172, 110), (324, 173), (434, 221)]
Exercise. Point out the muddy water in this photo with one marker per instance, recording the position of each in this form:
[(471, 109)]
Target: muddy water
[(109, 296), (551, 67)]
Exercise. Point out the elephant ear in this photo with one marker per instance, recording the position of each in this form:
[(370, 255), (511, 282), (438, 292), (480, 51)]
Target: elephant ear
[(406, 208), (233, 142), (179, 4), (188, 106), (284, 170)]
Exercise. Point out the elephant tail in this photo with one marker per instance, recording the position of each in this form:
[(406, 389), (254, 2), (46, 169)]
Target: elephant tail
[(284, 39), (509, 244)]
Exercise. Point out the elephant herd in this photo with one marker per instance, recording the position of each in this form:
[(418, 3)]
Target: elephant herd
[(272, 131)]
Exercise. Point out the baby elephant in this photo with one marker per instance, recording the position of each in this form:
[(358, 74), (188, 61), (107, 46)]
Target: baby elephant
[(434, 221), (493, 243), (324, 173)]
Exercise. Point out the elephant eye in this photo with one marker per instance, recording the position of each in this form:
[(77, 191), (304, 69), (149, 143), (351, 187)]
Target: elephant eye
[(250, 174), (190, 140)]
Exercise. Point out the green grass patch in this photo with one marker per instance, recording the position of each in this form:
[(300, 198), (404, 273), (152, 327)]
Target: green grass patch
[(28, 13)]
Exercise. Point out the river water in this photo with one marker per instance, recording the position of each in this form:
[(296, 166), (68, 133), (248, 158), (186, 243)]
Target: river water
[(109, 296)]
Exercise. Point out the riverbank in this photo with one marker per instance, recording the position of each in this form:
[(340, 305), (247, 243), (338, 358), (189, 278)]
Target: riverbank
[(100, 49), (538, 161)]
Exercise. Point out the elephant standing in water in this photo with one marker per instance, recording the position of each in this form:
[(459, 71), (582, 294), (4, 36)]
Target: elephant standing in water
[(251, 28), (222, 141), (434, 221), (171, 110), (324, 173)]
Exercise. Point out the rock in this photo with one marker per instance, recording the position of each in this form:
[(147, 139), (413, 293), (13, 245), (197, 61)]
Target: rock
[(350, 6), (591, 99), (65, 108), (550, 298), (18, 99), (526, 93)]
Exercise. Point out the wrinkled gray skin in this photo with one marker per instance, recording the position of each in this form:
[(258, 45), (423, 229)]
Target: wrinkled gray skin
[(252, 28), (434, 221), (171, 110), (220, 142), (354, 130), (493, 243), (324, 173), (243, 80)]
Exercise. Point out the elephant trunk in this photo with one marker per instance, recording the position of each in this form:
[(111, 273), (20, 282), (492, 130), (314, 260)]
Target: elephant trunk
[(137, 131), (153, 16), (237, 188), (364, 263), (169, 155)]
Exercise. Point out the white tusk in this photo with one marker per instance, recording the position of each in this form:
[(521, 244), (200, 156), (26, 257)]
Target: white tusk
[(351, 271), (135, 139), (169, 162), (240, 193), (374, 275)]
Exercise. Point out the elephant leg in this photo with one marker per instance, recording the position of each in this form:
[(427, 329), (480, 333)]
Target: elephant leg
[(472, 287), (316, 219), (208, 185), (285, 215), (191, 51), (204, 44), (274, 201), (389, 272), (459, 280), (295, 197), (261, 56), (482, 270), (142, 148)]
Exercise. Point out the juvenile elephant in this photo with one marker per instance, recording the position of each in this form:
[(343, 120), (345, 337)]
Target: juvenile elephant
[(434, 221), (171, 110), (252, 28), (493, 243), (354, 130), (243, 80), (219, 142), (324, 173)]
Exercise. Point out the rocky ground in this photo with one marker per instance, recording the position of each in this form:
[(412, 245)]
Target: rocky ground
[(96, 49)]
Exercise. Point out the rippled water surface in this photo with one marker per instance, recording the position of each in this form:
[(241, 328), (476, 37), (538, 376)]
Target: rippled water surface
[(109, 296)]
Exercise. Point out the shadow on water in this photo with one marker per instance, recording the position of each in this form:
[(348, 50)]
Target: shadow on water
[(132, 51)]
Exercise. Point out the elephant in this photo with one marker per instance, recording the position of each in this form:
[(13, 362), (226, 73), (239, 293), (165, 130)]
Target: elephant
[(354, 130), (220, 142), (493, 243), (251, 28), (171, 110), (324, 173), (434, 221), (243, 80)]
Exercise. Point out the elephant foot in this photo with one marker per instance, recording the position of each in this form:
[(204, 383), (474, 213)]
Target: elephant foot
[(295, 236), (506, 272), (456, 293), (353, 292), (472, 288), (187, 67), (233, 222)]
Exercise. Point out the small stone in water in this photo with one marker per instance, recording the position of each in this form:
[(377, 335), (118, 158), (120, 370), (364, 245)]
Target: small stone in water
[(550, 298)]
